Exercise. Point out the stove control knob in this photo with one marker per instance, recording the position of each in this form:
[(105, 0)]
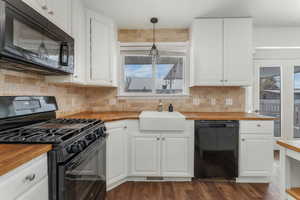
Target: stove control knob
[(75, 148), (90, 137), (82, 143)]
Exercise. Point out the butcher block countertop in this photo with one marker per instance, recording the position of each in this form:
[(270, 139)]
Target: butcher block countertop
[(290, 144), (114, 116), (15, 155)]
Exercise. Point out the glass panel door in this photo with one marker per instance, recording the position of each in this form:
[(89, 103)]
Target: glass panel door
[(297, 101), (270, 94)]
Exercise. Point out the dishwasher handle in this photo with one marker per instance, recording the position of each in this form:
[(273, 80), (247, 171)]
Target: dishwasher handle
[(216, 125)]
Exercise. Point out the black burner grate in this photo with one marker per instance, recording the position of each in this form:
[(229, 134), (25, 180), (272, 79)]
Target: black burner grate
[(53, 131)]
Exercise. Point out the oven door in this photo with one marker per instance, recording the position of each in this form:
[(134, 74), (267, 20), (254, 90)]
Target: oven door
[(33, 40), (84, 177)]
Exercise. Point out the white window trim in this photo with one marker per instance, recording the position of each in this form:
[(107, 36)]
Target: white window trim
[(176, 46)]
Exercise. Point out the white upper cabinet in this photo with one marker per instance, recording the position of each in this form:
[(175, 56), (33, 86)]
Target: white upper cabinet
[(79, 34), (101, 50), (238, 67), (207, 52), (221, 52), (57, 11)]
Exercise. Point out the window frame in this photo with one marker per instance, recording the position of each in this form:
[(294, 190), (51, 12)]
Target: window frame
[(171, 47)]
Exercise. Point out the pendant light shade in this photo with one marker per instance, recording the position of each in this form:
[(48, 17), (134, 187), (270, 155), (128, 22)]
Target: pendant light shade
[(154, 53)]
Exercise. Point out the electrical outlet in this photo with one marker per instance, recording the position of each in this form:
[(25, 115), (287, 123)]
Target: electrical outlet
[(213, 101), (112, 101), (228, 101), (196, 101)]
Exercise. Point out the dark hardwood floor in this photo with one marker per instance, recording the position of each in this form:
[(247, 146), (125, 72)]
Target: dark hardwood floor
[(198, 190)]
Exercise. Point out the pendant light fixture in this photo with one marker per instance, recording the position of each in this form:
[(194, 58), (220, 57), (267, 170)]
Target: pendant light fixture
[(154, 51)]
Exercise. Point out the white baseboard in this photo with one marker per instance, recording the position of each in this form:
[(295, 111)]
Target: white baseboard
[(253, 180), (144, 179), (115, 184)]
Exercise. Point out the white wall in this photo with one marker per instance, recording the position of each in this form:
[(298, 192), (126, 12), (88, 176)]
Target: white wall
[(276, 36)]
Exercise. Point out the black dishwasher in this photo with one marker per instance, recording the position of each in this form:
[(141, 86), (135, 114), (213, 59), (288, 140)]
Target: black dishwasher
[(216, 149)]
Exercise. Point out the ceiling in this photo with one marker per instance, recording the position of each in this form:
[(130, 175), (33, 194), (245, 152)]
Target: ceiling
[(134, 14)]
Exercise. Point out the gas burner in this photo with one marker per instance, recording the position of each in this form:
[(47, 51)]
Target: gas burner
[(53, 131)]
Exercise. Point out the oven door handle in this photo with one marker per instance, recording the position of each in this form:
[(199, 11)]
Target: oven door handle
[(88, 152)]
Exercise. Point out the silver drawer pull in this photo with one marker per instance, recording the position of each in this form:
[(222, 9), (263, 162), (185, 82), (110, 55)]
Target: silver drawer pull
[(258, 125), (30, 178)]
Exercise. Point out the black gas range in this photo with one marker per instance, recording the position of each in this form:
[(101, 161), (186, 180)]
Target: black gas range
[(77, 163)]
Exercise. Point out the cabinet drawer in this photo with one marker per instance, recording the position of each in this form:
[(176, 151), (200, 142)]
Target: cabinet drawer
[(23, 178), (115, 125), (257, 127)]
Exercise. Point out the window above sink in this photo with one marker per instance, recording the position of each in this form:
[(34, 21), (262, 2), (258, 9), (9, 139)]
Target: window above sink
[(141, 76)]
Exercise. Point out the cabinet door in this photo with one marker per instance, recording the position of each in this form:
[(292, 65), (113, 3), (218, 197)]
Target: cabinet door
[(256, 155), (116, 155), (78, 32), (100, 49), (37, 192), (145, 155), (207, 52), (238, 66), (175, 156), (59, 12)]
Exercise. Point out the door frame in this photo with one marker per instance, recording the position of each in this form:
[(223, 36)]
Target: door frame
[(287, 92)]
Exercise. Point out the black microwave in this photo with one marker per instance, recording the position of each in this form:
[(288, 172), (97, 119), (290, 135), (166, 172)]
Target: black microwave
[(30, 42)]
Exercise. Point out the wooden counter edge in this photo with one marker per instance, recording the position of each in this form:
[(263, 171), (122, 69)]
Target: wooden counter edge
[(188, 115), (288, 146), (7, 167), (294, 192)]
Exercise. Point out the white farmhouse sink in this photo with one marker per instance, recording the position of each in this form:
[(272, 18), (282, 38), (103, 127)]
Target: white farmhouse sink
[(161, 121)]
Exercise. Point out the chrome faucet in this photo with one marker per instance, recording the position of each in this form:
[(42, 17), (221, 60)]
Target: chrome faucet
[(160, 106)]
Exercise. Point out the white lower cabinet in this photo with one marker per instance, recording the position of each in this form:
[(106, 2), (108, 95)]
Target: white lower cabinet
[(175, 156), (256, 149), (37, 192), (27, 182), (116, 153), (256, 155), (145, 155), (160, 155)]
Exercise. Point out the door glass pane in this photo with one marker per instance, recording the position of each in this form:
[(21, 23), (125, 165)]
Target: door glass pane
[(270, 94), (297, 101)]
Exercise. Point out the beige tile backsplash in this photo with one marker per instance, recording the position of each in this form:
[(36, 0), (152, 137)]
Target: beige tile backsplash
[(198, 101), (74, 99), (70, 99)]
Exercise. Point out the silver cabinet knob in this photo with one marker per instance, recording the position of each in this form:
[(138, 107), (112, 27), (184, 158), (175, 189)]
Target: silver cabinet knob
[(51, 13), (258, 125), (157, 138), (44, 7), (243, 140), (30, 178)]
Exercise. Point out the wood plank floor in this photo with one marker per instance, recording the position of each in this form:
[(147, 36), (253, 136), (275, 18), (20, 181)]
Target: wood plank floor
[(198, 190)]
